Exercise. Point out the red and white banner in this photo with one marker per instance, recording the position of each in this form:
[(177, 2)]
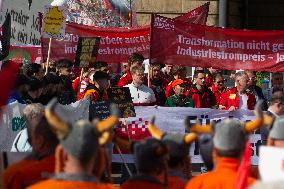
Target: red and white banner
[(175, 42), (117, 44)]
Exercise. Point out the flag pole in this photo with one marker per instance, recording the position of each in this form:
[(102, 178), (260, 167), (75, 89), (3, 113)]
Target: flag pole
[(48, 55), (150, 56)]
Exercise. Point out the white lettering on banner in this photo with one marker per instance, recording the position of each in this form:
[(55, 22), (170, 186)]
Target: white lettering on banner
[(138, 44), (163, 23), (25, 25), (171, 120)]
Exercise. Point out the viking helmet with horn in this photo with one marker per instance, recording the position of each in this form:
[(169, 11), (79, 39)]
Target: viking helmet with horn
[(178, 143), (83, 138)]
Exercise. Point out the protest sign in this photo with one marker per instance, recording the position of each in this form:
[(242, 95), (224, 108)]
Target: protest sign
[(25, 21), (122, 97), (54, 22), (271, 163), (25, 54), (116, 44), (175, 42), (87, 51), (99, 110)]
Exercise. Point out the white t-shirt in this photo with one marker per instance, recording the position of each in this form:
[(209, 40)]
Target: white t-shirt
[(243, 101), (141, 94)]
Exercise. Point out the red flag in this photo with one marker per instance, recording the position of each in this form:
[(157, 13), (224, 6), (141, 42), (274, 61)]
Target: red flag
[(243, 171), (196, 16), (7, 79)]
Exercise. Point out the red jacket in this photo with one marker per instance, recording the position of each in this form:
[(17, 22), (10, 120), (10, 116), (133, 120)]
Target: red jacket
[(125, 79), (203, 99), (209, 79), (218, 95), (232, 99)]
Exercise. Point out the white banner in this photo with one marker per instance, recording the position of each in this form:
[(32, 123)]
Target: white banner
[(167, 119), (25, 25), (172, 120)]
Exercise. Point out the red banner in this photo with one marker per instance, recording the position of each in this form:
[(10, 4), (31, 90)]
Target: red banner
[(174, 42), (117, 44)]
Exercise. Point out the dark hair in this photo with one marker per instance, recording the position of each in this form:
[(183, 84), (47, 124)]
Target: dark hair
[(22, 80), (64, 63), (197, 72), (135, 57), (35, 84), (277, 96), (50, 78), (100, 64), (66, 82), (31, 69), (100, 75), (230, 153), (174, 161), (175, 70)]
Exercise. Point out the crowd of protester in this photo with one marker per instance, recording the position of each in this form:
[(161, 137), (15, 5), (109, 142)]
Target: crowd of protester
[(167, 86), (65, 155)]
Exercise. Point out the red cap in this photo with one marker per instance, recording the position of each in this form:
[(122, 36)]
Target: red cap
[(177, 82)]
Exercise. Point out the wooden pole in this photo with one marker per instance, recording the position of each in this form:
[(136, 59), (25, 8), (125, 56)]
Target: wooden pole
[(48, 55)]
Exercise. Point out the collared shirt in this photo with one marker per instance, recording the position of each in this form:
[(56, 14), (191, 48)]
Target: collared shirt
[(142, 95)]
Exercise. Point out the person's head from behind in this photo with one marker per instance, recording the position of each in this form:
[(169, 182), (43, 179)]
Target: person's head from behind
[(252, 78), (22, 84), (137, 73), (155, 71), (101, 66), (40, 135), (178, 72), (79, 141), (219, 81), (179, 87), (241, 79), (32, 70), (101, 79), (277, 81), (276, 103), (276, 134), (199, 78), (135, 60), (64, 67), (151, 157), (50, 82), (229, 139), (35, 88)]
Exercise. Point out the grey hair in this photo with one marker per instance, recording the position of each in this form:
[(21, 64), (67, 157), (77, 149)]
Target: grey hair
[(33, 111)]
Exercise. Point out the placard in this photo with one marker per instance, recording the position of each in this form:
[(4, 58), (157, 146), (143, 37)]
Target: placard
[(54, 22), (99, 110), (87, 51), (122, 97)]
